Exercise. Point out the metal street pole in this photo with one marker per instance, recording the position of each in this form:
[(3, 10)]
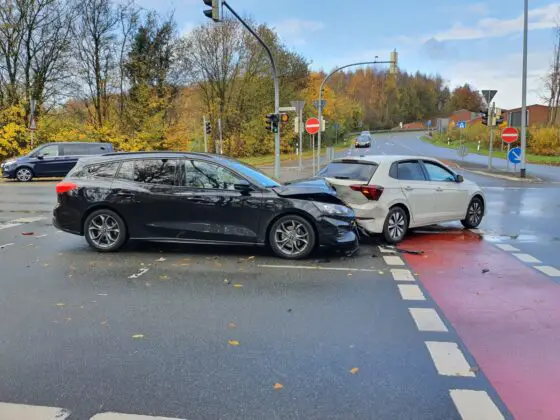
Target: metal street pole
[(524, 91), (491, 125), (205, 134), (32, 125), (276, 87), (320, 104), (221, 152), (298, 105)]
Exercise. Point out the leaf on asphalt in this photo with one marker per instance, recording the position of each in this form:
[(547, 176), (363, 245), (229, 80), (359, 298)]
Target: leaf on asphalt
[(161, 259), (233, 342), (238, 285), (226, 281), (252, 257), (164, 277), (232, 325), (60, 304), (353, 371), (138, 336), (278, 386), (349, 274)]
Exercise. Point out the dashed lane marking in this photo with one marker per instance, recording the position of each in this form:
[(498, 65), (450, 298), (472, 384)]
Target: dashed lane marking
[(548, 270), (6, 245), (411, 292), (427, 319), (316, 267), (475, 405), (527, 258), (31, 412), (393, 260), (507, 247), (10, 225), (121, 416), (402, 274), (449, 359), (28, 219), (42, 236)]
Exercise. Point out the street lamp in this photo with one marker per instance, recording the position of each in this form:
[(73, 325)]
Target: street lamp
[(524, 91), (393, 69)]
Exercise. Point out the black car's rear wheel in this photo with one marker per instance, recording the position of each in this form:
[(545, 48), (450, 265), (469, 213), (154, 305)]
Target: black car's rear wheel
[(24, 174), (105, 230), (292, 237)]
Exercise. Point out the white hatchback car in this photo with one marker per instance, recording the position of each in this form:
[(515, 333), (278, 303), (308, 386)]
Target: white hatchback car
[(391, 194)]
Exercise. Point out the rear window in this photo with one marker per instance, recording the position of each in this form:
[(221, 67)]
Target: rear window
[(355, 170), (364, 139)]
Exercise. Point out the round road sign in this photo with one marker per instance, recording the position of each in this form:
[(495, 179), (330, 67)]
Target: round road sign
[(510, 135), (312, 126)]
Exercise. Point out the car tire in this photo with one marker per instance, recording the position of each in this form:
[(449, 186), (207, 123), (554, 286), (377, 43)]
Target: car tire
[(396, 225), (24, 174), (475, 213), (105, 230), (292, 237)]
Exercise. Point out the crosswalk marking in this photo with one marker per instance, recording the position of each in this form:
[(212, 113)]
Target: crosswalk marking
[(411, 292), (393, 260), (401, 274), (548, 270), (475, 405), (427, 319), (10, 411), (449, 359), (507, 247), (527, 258)]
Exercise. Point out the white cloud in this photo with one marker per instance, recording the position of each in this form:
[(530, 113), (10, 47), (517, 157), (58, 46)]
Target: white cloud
[(294, 31), (503, 74), (540, 18)]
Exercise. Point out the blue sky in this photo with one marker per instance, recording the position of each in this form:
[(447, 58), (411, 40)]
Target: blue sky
[(478, 42)]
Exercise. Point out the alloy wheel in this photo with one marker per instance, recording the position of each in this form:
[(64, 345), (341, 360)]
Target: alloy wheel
[(104, 231), (24, 175), (396, 225), (475, 213), (292, 237)]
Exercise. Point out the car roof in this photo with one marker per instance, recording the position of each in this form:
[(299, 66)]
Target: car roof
[(147, 155), (385, 158), (74, 142)]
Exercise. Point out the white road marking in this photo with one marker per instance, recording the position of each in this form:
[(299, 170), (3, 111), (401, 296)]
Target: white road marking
[(28, 219), (42, 236), (9, 225), (548, 270), (507, 247), (411, 292), (527, 258), (475, 405), (386, 250), (6, 245), (316, 267), (141, 272), (402, 274), (393, 260), (427, 319), (121, 416), (31, 412), (449, 359)]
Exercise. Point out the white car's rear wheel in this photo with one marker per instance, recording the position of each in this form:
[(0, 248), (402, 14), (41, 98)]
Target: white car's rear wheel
[(475, 211), (396, 225)]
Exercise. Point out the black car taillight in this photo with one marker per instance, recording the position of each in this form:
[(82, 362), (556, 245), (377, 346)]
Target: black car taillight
[(371, 192), (64, 187)]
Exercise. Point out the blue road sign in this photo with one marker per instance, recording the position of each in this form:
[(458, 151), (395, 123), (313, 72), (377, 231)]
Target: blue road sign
[(461, 124), (429, 123), (514, 155)]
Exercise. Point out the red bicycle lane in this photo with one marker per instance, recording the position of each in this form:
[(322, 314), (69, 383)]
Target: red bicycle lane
[(508, 317)]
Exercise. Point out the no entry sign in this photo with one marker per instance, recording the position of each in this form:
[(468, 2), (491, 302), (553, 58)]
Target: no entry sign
[(312, 126), (510, 135)]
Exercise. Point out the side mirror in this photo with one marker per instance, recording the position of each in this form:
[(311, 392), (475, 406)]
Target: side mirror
[(40, 157), (459, 178), (243, 186)]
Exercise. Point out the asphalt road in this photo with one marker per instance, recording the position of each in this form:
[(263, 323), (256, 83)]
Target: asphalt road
[(220, 333)]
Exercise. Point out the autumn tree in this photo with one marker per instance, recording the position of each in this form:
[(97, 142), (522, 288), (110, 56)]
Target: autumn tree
[(464, 97)]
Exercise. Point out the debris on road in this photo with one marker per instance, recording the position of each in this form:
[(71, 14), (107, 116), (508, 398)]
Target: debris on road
[(409, 251), (278, 386), (161, 259), (232, 325), (233, 342), (355, 370), (141, 272), (138, 336), (485, 270), (238, 285), (27, 233), (226, 281)]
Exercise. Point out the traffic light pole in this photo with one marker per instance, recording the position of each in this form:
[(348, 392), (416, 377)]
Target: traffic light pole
[(205, 134), (276, 87), (320, 104), (491, 125), (522, 173)]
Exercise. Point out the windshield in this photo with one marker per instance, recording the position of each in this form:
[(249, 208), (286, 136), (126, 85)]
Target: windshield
[(364, 139), (253, 173), (355, 170)]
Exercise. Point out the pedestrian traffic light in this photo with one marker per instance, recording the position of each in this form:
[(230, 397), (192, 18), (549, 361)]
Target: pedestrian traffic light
[(484, 115), (499, 116), (284, 118), (208, 128), (215, 13)]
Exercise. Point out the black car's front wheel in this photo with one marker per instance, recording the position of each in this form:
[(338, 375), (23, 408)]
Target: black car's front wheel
[(292, 237), (105, 230)]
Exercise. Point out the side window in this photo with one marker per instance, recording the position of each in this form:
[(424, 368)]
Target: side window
[(438, 173), (155, 171), (393, 172), (102, 170), (51, 151), (410, 171), (126, 171), (199, 174)]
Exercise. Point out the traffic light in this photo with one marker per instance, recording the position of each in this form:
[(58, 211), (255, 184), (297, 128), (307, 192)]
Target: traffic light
[(484, 115), (215, 13), (272, 122), (208, 128), (499, 117), (268, 122), (284, 118)]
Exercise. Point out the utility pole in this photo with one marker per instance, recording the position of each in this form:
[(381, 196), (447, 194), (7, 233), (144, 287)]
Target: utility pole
[(274, 76), (491, 119), (524, 91), (393, 70)]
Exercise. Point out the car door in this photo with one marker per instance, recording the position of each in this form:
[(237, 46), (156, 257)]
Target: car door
[(450, 201), (211, 209), (71, 152), (47, 161), (418, 191), (144, 194)]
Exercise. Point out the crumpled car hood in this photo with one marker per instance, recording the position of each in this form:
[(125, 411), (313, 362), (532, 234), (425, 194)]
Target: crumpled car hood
[(313, 189)]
